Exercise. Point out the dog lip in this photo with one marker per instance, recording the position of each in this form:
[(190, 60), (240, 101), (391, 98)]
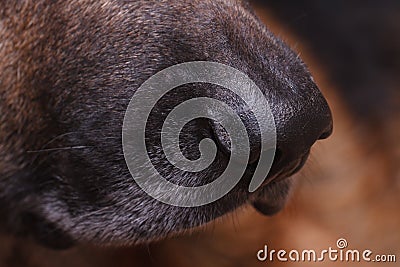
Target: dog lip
[(266, 208), (292, 168), (270, 207), (266, 200), (301, 162)]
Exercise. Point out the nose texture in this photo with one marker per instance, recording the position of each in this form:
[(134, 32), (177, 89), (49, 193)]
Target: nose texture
[(299, 122), (299, 126)]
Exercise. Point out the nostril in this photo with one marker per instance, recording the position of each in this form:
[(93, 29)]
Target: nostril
[(223, 141), (221, 137)]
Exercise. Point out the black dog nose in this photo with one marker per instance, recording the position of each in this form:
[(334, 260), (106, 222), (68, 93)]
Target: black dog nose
[(299, 124), (298, 131)]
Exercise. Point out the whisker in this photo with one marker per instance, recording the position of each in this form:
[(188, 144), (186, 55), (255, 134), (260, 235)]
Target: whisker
[(58, 149), (58, 137)]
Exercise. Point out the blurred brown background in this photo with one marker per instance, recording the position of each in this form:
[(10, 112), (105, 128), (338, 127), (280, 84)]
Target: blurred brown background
[(350, 187)]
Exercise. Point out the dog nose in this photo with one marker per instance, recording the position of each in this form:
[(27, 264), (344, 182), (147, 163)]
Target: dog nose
[(298, 131), (298, 126)]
